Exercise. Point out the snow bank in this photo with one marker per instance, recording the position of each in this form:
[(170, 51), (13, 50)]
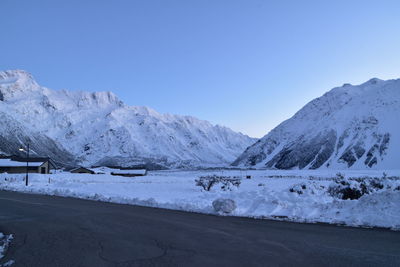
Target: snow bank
[(5, 241), (300, 196)]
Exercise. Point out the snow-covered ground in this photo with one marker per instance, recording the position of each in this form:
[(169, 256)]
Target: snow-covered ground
[(5, 241), (301, 196)]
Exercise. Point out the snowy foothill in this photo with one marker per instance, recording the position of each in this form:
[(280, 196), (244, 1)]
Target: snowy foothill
[(367, 198)]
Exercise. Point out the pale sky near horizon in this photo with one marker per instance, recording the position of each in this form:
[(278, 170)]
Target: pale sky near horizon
[(247, 65)]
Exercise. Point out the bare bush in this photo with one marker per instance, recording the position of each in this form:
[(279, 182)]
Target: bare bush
[(306, 188), (298, 188), (228, 182)]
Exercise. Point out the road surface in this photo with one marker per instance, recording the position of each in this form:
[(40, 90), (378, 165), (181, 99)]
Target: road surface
[(56, 231)]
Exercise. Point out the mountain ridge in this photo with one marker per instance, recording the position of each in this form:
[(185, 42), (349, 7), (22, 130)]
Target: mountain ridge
[(347, 127), (98, 128)]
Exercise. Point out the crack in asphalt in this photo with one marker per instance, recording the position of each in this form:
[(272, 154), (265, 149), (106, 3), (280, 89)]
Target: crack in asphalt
[(21, 201), (141, 261), (163, 248), (158, 245), (102, 251)]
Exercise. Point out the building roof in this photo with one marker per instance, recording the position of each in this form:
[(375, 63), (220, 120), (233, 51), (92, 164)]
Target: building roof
[(33, 159), (12, 163), (107, 170)]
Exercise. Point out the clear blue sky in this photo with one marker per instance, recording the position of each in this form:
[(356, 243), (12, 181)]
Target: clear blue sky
[(244, 64)]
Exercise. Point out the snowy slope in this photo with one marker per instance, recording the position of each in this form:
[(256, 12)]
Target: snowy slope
[(98, 128), (349, 127), (13, 135)]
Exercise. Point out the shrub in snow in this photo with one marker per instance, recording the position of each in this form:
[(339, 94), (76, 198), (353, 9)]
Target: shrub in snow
[(224, 205), (376, 184), (10, 179), (298, 188), (354, 188), (228, 182), (207, 182), (340, 175), (310, 187), (346, 191)]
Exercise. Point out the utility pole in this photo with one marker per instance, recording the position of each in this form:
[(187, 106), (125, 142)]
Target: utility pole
[(27, 162)]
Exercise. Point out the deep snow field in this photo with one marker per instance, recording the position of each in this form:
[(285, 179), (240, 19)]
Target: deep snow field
[(301, 196)]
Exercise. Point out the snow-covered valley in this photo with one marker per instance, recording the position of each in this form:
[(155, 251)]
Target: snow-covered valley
[(353, 129), (301, 196)]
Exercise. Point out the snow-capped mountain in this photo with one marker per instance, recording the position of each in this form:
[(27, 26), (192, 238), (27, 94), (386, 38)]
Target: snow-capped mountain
[(348, 127), (99, 129)]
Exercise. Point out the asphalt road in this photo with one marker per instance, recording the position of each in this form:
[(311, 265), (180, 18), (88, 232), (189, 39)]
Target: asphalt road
[(55, 231)]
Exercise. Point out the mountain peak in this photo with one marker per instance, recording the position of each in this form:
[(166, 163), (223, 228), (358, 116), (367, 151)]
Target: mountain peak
[(348, 127), (15, 75), (17, 80), (373, 81)]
